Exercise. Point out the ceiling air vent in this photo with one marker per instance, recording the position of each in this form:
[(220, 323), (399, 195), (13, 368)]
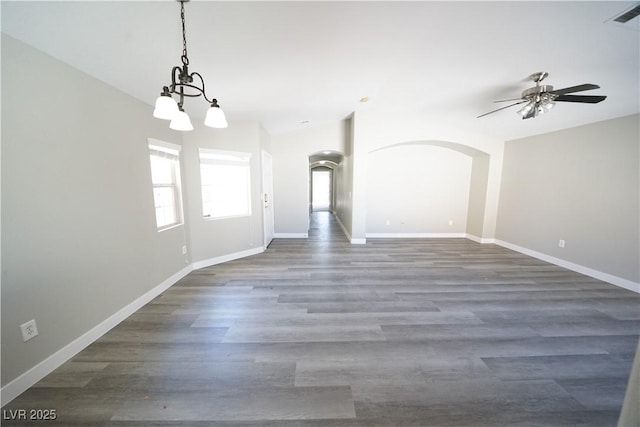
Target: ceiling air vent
[(627, 18), (628, 15)]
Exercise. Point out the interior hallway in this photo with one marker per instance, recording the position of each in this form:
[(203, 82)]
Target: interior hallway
[(319, 332)]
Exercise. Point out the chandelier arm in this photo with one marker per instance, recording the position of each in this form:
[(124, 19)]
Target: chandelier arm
[(181, 93), (191, 95), (204, 94), (175, 77)]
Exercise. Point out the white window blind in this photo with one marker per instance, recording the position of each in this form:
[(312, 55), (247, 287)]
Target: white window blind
[(226, 183)]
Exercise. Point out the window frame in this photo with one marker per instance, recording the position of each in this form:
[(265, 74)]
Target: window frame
[(211, 158), (171, 152)]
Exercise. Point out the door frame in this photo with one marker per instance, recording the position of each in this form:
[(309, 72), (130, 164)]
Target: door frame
[(266, 200)]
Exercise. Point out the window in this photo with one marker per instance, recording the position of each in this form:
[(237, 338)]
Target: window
[(226, 183), (165, 176)]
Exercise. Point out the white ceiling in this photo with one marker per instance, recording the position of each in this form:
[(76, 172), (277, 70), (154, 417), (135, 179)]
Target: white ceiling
[(282, 63)]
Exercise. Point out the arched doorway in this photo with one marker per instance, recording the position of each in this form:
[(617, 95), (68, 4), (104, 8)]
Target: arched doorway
[(322, 180)]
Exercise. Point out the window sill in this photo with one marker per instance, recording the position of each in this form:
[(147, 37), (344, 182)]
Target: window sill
[(169, 227), (209, 218)]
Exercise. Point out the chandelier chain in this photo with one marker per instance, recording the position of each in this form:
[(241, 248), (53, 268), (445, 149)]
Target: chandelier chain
[(185, 59)]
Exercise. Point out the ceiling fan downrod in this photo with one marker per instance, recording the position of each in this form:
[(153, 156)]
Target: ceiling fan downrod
[(537, 89)]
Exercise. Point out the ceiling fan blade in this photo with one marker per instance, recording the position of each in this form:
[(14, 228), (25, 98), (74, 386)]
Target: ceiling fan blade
[(572, 89), (490, 112), (588, 99)]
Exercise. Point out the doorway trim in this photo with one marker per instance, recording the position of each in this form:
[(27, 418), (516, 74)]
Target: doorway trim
[(268, 223)]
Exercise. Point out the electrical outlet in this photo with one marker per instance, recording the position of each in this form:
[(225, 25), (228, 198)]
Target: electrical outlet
[(561, 243), (184, 250), (29, 330), (450, 222)]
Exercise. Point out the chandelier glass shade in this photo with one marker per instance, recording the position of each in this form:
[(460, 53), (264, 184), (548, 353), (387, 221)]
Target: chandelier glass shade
[(181, 121), (185, 84), (539, 104), (166, 107), (215, 116)]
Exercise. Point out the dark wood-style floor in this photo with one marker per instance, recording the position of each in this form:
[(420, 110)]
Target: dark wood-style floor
[(319, 332)]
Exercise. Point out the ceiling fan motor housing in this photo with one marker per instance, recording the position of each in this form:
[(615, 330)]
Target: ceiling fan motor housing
[(537, 90)]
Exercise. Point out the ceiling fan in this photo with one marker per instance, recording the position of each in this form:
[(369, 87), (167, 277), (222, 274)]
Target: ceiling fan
[(541, 98)]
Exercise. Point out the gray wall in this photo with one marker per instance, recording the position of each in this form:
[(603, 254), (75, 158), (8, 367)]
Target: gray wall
[(374, 130), (580, 185), (417, 188), (79, 238), (477, 194), (291, 153), (344, 183), (211, 239)]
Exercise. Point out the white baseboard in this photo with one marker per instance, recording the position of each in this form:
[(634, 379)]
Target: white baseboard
[(346, 233), (19, 385), (344, 230), (16, 387), (51, 363), (291, 235), (477, 239), (605, 277), (225, 258), (416, 235)]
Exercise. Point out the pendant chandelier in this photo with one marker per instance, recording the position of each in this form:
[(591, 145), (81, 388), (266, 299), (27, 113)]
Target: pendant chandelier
[(183, 85)]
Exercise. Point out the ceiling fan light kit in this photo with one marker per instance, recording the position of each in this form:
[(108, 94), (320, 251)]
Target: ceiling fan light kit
[(542, 98), (186, 84)]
